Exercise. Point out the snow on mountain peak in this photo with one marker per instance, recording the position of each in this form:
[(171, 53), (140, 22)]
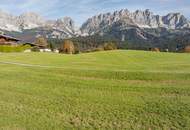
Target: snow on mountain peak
[(30, 20), (139, 18), (122, 19)]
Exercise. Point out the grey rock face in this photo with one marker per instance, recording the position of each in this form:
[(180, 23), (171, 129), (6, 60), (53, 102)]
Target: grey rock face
[(7, 21), (64, 24), (175, 20), (30, 20), (102, 23), (62, 27), (141, 19)]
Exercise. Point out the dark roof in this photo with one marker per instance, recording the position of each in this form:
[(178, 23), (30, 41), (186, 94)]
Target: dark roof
[(9, 37), (33, 44)]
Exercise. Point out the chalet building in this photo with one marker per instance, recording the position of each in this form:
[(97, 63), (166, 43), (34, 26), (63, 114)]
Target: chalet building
[(8, 40)]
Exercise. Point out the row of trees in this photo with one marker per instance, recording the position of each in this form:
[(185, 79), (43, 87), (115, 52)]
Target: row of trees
[(89, 44), (69, 46)]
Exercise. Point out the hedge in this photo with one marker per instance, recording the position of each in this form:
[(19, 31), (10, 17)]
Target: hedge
[(8, 48)]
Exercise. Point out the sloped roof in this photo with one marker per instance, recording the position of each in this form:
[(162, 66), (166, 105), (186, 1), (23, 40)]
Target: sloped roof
[(9, 37)]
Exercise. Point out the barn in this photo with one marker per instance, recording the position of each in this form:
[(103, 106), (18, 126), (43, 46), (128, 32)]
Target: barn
[(8, 40)]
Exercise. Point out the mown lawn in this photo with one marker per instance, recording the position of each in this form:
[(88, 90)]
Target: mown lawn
[(132, 90)]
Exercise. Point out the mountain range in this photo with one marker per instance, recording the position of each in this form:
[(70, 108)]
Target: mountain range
[(34, 24), (141, 19), (139, 26)]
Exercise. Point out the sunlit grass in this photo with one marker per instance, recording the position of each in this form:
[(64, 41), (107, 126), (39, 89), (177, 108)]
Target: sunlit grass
[(104, 90)]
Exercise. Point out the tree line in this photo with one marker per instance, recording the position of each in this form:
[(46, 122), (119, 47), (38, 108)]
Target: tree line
[(100, 43)]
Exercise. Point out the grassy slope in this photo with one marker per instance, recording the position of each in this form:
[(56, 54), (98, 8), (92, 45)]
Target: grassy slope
[(107, 90)]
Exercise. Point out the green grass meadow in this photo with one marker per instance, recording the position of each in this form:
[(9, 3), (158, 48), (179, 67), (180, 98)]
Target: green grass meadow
[(132, 90)]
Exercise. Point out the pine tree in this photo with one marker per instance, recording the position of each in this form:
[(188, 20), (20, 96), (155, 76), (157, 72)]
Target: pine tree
[(51, 46)]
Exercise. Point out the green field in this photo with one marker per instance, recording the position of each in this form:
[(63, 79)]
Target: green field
[(133, 90)]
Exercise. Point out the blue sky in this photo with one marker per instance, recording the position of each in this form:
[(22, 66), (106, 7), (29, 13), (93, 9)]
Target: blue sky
[(80, 10)]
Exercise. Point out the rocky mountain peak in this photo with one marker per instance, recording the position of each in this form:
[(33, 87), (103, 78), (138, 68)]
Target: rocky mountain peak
[(118, 20), (175, 20), (30, 20), (7, 21), (139, 18), (66, 21)]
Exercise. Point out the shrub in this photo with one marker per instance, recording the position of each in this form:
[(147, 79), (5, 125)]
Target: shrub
[(187, 49), (25, 47), (110, 46), (9, 48), (51, 46), (35, 49), (76, 51), (155, 49), (99, 49)]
